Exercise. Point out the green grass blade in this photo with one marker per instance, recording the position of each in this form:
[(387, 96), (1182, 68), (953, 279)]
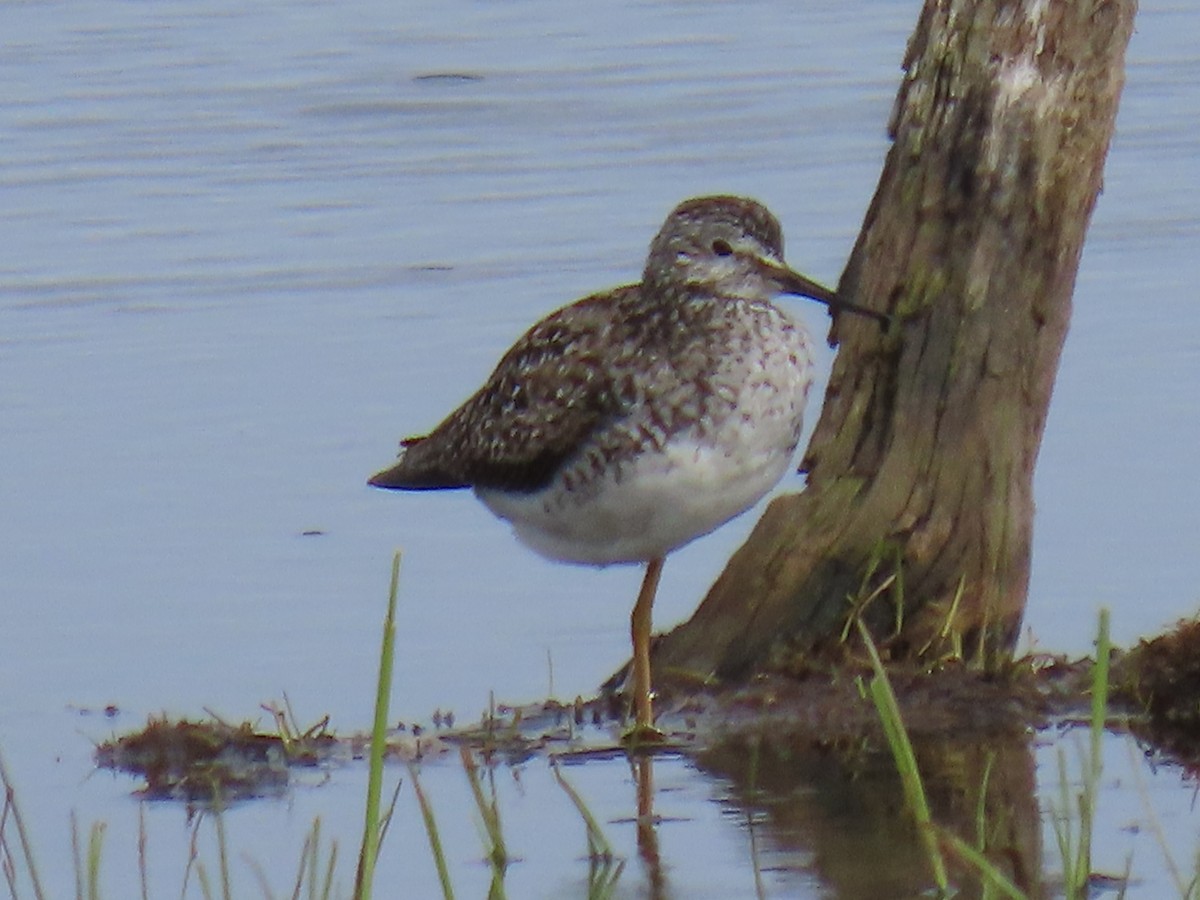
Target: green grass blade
[(304, 870), (202, 879), (10, 803), (193, 859), (383, 697), (489, 813), (603, 875), (431, 829), (906, 761), (1075, 849), (143, 843), (981, 829), (1095, 762), (223, 856), (95, 852), (308, 860), (993, 878), (76, 857), (327, 887), (1064, 831), (598, 845)]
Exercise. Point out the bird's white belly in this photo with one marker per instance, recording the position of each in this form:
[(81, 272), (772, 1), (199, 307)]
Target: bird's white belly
[(658, 503), (660, 499), (689, 456)]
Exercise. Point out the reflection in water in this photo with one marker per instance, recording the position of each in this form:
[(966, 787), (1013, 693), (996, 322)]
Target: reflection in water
[(642, 765), (836, 812)]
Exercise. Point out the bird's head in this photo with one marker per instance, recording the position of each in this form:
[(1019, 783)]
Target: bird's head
[(729, 247)]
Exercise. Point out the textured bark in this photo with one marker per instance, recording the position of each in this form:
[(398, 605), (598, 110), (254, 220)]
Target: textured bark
[(922, 462)]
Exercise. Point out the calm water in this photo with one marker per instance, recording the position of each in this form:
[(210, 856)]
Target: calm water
[(248, 247)]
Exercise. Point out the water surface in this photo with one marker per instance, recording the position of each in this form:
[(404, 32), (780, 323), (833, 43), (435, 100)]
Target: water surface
[(248, 247)]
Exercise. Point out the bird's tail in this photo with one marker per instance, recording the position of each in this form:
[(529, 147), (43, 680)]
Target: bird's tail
[(416, 470)]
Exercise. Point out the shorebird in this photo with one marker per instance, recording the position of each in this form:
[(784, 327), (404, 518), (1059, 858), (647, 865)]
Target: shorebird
[(633, 421)]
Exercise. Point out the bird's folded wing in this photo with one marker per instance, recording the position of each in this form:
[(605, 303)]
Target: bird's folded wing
[(548, 393)]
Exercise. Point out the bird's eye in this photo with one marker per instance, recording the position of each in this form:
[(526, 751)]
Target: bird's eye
[(722, 248)]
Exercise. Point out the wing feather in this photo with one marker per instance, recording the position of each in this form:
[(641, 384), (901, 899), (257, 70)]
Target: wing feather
[(549, 392)]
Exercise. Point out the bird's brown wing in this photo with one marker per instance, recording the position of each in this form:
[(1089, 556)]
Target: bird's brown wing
[(550, 391)]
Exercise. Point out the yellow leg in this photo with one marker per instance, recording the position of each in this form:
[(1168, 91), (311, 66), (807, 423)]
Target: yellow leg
[(639, 627)]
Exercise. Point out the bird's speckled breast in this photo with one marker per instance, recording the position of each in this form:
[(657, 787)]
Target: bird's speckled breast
[(711, 424)]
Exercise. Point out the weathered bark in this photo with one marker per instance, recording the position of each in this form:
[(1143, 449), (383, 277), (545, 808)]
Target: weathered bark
[(922, 462)]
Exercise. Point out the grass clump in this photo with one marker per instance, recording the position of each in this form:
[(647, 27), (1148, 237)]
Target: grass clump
[(1073, 817), (21, 857), (604, 867)]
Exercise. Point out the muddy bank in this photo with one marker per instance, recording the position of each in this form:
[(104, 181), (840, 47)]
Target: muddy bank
[(1154, 693)]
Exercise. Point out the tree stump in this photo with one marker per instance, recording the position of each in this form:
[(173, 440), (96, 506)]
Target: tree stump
[(918, 510)]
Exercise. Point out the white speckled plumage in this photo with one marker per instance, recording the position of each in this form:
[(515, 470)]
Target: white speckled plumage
[(659, 487)]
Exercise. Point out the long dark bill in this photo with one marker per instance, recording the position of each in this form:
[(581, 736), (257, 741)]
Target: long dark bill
[(792, 282)]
